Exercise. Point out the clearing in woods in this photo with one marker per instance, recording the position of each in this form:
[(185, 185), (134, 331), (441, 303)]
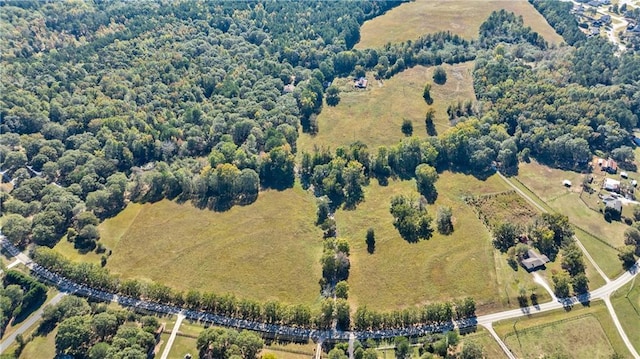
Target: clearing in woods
[(374, 116), (463, 17)]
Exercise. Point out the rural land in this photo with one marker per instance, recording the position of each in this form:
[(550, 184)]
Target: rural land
[(319, 179)]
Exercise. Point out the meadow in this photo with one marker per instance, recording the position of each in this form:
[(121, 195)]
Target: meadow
[(462, 17), (268, 250), (374, 116), (582, 332), (443, 267)]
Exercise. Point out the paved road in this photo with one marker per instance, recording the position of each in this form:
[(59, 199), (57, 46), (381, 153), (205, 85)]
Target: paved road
[(495, 336), (625, 339), (8, 341), (172, 338), (66, 285), (538, 279)]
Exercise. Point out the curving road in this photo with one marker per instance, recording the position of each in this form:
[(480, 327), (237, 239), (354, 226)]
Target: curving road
[(66, 285)]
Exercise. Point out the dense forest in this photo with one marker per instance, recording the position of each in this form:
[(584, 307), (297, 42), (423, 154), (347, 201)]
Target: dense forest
[(103, 103)]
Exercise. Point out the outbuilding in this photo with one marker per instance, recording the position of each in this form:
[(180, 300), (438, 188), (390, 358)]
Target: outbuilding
[(566, 183)]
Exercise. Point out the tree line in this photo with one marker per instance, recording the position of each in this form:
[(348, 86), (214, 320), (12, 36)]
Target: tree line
[(271, 312)]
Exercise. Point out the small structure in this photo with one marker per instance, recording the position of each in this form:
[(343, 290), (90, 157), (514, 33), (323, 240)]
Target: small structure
[(566, 183), (289, 88), (608, 165), (634, 183), (534, 260), (611, 185), (614, 204), (360, 83), (187, 356), (624, 174)]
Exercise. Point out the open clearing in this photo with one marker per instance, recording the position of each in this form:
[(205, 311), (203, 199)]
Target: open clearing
[(268, 250), (374, 116), (441, 268), (463, 17), (582, 332), (626, 302)]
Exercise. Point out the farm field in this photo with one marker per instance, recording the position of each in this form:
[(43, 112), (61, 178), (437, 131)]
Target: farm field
[(440, 268), (374, 116), (241, 251), (579, 333), (626, 303), (462, 17)]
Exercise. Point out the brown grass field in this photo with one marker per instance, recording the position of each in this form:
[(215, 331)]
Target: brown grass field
[(582, 332), (505, 207), (268, 250), (463, 17), (441, 268), (374, 116)]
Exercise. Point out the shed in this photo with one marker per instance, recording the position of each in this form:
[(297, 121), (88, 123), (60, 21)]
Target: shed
[(624, 174), (611, 185), (634, 183), (566, 183), (361, 83)]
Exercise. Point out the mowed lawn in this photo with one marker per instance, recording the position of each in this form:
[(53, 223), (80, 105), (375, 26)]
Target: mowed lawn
[(582, 332), (626, 302), (462, 17), (441, 268), (374, 116), (267, 250)]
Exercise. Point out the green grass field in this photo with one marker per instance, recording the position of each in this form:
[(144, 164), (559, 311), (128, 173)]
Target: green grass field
[(463, 17), (490, 347), (40, 347), (441, 268), (268, 250), (582, 332), (374, 116), (626, 302)]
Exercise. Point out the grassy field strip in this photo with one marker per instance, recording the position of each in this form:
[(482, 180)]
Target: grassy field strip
[(603, 253), (626, 302), (621, 331)]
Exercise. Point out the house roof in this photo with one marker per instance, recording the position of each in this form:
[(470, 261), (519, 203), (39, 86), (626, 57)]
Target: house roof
[(615, 204), (610, 183), (534, 260)]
